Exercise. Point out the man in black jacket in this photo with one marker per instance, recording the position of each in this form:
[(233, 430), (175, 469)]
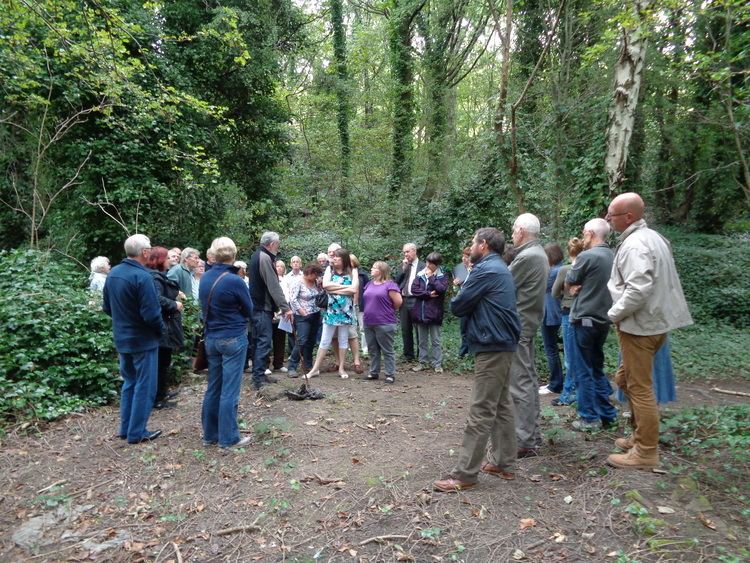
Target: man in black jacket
[(410, 267), (267, 297), (488, 301)]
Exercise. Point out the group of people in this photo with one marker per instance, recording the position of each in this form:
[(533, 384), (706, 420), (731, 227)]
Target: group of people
[(502, 299)]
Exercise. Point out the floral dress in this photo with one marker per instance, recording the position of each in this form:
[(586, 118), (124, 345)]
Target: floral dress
[(340, 310)]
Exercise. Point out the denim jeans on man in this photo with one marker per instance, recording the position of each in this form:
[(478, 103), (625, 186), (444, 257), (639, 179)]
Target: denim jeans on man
[(139, 374), (568, 394), (593, 388), (304, 342), (262, 340), (226, 361), (550, 335)]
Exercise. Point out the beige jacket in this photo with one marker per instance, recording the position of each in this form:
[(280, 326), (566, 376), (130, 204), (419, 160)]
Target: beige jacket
[(646, 291)]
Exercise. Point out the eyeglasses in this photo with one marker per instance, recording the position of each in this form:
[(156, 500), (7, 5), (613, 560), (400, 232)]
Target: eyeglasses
[(617, 214)]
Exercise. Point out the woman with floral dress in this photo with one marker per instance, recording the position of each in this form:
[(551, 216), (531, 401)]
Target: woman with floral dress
[(341, 282)]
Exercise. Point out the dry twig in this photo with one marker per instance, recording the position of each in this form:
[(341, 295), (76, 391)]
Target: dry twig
[(383, 538)]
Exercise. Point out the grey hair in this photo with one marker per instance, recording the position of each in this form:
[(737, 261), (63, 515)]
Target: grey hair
[(334, 246), (240, 264), (268, 238), (410, 246), (597, 226), (98, 263), (224, 249), (135, 244), (529, 223), (187, 253)]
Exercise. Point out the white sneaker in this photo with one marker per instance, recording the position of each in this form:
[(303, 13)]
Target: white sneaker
[(268, 372), (282, 369), (241, 444), (544, 390)]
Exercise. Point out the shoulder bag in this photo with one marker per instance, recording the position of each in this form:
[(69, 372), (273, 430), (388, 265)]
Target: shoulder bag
[(200, 362)]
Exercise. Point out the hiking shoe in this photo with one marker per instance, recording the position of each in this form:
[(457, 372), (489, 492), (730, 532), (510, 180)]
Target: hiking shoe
[(497, 471), (583, 426), (439, 369), (452, 485), (292, 373), (559, 403), (625, 444), (419, 367), (633, 460)]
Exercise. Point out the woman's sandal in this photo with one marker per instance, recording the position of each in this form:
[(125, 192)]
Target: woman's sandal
[(344, 375), (310, 375), (358, 368)]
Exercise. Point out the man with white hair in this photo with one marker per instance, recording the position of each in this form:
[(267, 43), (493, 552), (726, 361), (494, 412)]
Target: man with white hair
[(295, 274), (530, 269), (182, 273), (587, 280), (267, 296), (411, 265), (647, 303), (130, 298)]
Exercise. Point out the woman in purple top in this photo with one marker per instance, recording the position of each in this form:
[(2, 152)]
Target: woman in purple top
[(382, 298)]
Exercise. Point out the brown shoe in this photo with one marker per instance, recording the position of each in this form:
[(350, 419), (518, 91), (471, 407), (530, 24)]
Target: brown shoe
[(526, 452), (496, 470), (633, 460), (452, 485), (626, 443), (358, 368), (332, 367)]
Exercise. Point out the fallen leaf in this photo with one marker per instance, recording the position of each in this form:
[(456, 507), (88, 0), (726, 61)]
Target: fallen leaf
[(590, 549), (355, 461), (353, 552), (480, 512), (706, 521), (612, 554), (558, 537), (311, 422), (518, 554), (587, 535), (557, 477), (665, 510), (526, 523), (535, 478), (568, 499)]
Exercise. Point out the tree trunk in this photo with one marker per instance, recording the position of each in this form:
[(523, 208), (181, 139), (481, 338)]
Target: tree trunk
[(627, 84), (342, 91)]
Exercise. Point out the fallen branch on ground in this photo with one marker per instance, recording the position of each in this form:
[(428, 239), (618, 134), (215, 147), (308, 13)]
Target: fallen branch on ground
[(729, 392), (383, 538)]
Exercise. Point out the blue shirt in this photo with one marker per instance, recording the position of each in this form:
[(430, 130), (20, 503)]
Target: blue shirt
[(129, 297), (552, 307), (230, 307)]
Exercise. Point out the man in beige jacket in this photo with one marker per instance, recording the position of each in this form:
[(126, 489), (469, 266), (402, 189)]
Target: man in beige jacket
[(647, 303)]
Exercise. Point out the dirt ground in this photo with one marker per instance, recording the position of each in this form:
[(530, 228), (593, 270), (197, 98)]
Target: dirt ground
[(346, 478)]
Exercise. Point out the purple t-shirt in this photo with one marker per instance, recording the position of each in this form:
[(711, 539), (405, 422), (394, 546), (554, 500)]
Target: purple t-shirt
[(378, 305)]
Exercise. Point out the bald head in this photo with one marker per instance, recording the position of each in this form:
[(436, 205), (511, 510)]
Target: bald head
[(624, 210)]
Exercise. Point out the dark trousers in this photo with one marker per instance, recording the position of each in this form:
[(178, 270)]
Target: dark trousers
[(261, 343), (592, 386), (279, 346), (408, 328), (306, 327), (162, 383), (550, 338)]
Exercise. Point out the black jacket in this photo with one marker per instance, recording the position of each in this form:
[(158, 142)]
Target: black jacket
[(403, 277), (166, 292)]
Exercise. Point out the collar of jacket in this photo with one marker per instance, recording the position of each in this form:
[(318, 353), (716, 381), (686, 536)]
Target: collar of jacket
[(639, 224)]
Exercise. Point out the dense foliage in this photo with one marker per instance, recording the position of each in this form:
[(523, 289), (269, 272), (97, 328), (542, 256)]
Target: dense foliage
[(56, 354)]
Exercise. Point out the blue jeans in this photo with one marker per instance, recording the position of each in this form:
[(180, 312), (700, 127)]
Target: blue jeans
[(593, 388), (262, 342), (568, 394), (304, 342), (138, 373), (226, 360), (550, 334)]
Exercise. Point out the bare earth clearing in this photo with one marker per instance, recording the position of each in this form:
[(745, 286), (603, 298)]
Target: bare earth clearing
[(346, 478)]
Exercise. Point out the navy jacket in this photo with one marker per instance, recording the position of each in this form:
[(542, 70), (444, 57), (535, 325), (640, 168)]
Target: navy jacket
[(231, 306), (428, 310), (167, 291), (488, 301), (129, 297)]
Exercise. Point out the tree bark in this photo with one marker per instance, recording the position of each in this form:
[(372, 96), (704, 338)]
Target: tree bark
[(627, 84)]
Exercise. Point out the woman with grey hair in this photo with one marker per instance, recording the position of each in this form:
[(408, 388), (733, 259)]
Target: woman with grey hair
[(226, 306), (100, 267)]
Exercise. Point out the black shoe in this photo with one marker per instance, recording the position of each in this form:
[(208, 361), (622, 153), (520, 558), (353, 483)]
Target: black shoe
[(164, 404), (389, 379), (121, 436), (370, 377), (609, 424), (150, 437), (171, 395), (526, 452), (558, 403), (270, 379)]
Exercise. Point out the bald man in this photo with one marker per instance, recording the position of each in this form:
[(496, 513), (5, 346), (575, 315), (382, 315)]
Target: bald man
[(647, 302)]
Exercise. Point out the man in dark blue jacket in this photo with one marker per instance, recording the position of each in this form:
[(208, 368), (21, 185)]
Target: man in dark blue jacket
[(488, 301), (130, 299)]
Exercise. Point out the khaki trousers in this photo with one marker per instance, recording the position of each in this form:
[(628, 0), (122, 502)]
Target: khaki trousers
[(490, 418), (634, 378)]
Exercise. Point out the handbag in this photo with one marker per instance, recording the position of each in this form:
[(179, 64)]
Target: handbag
[(321, 300), (200, 362)]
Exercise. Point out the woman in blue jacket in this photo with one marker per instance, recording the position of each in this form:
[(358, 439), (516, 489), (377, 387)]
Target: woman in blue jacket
[(226, 307), (429, 287)]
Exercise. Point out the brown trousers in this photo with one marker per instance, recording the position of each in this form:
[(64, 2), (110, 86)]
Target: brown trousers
[(491, 418), (634, 378)]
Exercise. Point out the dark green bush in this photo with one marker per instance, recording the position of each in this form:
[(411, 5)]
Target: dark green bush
[(56, 354)]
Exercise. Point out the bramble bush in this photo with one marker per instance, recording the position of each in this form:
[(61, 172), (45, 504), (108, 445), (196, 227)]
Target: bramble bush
[(56, 354)]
